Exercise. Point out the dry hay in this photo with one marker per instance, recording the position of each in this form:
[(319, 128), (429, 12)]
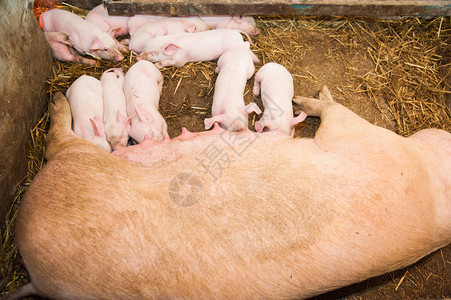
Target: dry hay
[(411, 62), (12, 274), (408, 81)]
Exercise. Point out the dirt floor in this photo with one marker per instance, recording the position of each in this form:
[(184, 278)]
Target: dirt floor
[(317, 52)]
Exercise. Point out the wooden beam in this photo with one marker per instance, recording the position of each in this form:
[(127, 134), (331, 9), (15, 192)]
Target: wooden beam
[(370, 8)]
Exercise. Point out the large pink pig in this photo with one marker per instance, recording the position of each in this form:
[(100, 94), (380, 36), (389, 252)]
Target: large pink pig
[(114, 25), (62, 48), (86, 38), (117, 124), (276, 85), (235, 67), (284, 218), (86, 103), (242, 23), (167, 26), (178, 49), (142, 87)]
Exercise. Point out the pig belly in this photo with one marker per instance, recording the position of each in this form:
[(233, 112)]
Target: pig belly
[(155, 154), (283, 219)]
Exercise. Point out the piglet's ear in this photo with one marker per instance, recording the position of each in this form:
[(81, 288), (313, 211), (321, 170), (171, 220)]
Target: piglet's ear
[(256, 88), (209, 122), (255, 59), (190, 29), (114, 31), (121, 118), (97, 125), (238, 19), (143, 114), (128, 126), (252, 107), (260, 125), (162, 31), (62, 38), (170, 50), (96, 45)]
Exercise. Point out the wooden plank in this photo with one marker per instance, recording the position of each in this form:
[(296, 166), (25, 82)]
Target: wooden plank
[(370, 8)]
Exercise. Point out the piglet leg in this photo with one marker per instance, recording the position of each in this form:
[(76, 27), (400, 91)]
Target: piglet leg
[(62, 48), (78, 58)]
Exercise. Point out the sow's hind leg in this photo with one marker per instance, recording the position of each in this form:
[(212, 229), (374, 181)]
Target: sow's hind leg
[(340, 127), (61, 136), (330, 112)]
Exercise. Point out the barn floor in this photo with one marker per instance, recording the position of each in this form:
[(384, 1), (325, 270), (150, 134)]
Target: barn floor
[(395, 74)]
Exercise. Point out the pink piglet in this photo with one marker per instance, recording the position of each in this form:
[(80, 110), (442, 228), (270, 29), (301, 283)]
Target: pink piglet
[(275, 84), (179, 49), (235, 67), (117, 124), (86, 103), (142, 87)]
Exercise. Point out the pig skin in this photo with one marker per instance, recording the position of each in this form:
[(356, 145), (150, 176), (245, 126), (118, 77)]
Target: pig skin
[(86, 103), (178, 49), (85, 37), (276, 85), (235, 67), (113, 25), (161, 27), (242, 23), (62, 48), (142, 88), (117, 124), (137, 21), (290, 218)]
